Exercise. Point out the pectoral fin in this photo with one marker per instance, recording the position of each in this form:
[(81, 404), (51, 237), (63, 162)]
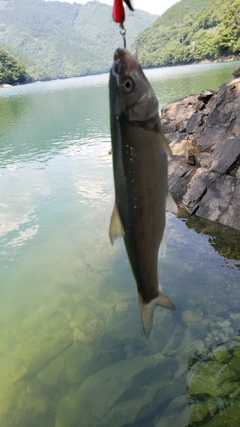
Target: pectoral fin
[(166, 145), (164, 140), (170, 204), (116, 228)]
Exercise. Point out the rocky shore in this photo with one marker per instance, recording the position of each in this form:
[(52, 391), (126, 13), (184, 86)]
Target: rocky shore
[(204, 135)]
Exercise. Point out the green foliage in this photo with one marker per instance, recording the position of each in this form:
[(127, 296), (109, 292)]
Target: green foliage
[(191, 31), (11, 71), (228, 36), (60, 39)]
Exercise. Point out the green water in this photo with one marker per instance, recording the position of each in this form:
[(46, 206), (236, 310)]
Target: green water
[(72, 350)]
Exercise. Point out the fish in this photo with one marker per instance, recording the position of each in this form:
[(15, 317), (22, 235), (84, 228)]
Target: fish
[(140, 172)]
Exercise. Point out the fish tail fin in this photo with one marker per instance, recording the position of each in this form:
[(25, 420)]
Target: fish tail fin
[(147, 310)]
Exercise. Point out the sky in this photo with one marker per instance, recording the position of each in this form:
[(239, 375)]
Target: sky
[(156, 7)]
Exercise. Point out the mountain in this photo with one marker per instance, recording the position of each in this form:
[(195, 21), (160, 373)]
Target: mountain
[(54, 39), (11, 71), (191, 30)]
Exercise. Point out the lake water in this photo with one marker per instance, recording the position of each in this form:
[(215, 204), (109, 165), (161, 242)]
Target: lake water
[(72, 350)]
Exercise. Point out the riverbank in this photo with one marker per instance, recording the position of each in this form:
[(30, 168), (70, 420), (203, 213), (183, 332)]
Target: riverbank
[(204, 135), (4, 85), (224, 58)]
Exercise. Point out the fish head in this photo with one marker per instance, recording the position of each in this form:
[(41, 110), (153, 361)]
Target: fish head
[(131, 94)]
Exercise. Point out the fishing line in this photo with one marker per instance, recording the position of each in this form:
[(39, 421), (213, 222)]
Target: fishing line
[(123, 34)]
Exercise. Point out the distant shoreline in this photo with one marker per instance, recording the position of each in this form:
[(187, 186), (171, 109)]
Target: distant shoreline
[(223, 58)]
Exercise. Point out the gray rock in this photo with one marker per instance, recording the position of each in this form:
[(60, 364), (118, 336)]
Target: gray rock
[(226, 155), (195, 120), (203, 160), (112, 396), (206, 95), (210, 188), (223, 121), (174, 116), (236, 72), (136, 409), (177, 181), (221, 202), (197, 189)]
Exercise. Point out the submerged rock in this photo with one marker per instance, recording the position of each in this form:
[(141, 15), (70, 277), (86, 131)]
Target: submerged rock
[(230, 416), (127, 391), (212, 379), (49, 375), (192, 316), (214, 386), (201, 410), (76, 360), (69, 410), (36, 354), (210, 122)]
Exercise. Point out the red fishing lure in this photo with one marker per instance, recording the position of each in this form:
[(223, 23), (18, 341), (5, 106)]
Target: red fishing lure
[(118, 12)]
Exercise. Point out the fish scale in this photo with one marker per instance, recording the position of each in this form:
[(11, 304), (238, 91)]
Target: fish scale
[(140, 172)]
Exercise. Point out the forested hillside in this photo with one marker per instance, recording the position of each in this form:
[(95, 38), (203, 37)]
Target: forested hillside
[(191, 30), (54, 39), (11, 71)]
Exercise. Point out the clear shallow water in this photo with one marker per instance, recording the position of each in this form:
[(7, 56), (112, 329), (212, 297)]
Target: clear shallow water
[(72, 351)]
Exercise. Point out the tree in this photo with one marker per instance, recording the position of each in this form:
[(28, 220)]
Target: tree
[(11, 71)]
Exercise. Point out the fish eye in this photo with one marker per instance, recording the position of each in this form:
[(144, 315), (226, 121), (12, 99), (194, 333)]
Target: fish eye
[(127, 85)]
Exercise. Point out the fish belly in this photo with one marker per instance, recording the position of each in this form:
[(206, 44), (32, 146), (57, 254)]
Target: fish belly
[(141, 189)]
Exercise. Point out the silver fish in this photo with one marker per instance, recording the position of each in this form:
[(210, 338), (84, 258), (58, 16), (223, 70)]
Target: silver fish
[(140, 177)]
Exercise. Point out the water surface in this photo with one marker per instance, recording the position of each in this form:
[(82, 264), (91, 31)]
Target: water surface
[(72, 351)]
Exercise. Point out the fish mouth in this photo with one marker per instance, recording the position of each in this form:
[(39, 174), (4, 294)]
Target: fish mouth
[(123, 63), (122, 55)]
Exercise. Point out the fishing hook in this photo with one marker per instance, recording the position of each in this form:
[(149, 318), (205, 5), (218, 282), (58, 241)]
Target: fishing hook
[(123, 34)]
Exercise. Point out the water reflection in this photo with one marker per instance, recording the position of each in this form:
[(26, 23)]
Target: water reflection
[(218, 236), (11, 112), (45, 124)]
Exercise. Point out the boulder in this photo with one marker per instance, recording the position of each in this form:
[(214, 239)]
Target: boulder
[(35, 357), (69, 409), (232, 413), (197, 189), (212, 379), (236, 72), (175, 115), (226, 157), (195, 120), (204, 135), (117, 395)]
